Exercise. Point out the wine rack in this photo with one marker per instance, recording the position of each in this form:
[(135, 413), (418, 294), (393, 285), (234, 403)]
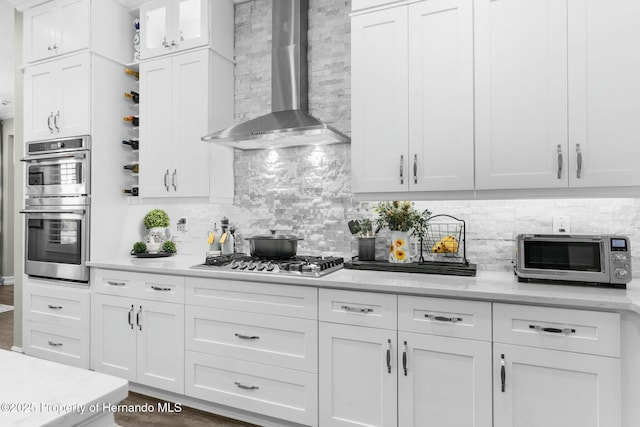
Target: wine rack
[(130, 164)]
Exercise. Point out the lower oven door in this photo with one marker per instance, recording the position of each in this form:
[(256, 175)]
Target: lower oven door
[(57, 242)]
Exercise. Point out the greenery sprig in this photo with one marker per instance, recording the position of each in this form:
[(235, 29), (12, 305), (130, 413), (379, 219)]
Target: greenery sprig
[(402, 216)]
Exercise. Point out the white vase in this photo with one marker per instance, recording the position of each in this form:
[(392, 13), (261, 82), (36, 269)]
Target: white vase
[(400, 247), (156, 237)]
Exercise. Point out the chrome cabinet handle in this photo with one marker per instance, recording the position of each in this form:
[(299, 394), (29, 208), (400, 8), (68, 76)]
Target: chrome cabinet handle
[(164, 42), (401, 169), (565, 331), (55, 120), (503, 373), (173, 43), (404, 358), (138, 318), (559, 161), (443, 318), (112, 283), (49, 122), (54, 307), (53, 211), (389, 356), (166, 179), (174, 179), (579, 153), (246, 387), (356, 309), (55, 344), (50, 48), (158, 288), (247, 337), (415, 169), (131, 314)]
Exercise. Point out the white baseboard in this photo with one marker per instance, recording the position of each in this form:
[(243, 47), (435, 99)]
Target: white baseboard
[(6, 280), (17, 349)]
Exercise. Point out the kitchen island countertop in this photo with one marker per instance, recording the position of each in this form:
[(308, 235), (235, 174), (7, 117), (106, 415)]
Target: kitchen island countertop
[(487, 285)]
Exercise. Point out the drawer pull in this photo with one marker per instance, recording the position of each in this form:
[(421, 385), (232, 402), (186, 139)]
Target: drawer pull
[(55, 344), (159, 288), (565, 331), (404, 358), (389, 356), (356, 309), (54, 307), (503, 373), (112, 283), (247, 337), (443, 319), (131, 314), (246, 387)]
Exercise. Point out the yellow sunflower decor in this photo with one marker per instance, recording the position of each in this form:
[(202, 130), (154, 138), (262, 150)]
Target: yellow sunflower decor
[(399, 248)]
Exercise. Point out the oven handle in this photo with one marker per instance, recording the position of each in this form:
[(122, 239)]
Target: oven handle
[(53, 211), (44, 157)]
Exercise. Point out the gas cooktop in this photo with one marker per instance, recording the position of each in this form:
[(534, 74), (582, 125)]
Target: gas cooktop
[(310, 266)]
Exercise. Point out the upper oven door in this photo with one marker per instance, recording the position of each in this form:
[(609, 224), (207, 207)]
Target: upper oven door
[(58, 174), (577, 258)]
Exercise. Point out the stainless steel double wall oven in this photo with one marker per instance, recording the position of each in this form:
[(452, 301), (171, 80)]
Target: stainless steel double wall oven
[(57, 208)]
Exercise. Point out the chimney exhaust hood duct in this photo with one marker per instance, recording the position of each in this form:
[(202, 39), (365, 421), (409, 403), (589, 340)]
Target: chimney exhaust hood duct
[(288, 124)]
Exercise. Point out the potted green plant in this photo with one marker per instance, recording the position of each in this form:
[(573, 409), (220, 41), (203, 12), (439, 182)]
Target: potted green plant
[(402, 219), (366, 239), (157, 222)]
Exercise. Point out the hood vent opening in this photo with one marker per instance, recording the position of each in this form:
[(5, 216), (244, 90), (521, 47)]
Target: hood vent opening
[(289, 124)]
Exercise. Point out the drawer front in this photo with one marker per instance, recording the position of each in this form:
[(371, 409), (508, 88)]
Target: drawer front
[(446, 317), (581, 331), (276, 392), (56, 343), (358, 308), (367, 4), (272, 340), (156, 287), (57, 305), (281, 300)]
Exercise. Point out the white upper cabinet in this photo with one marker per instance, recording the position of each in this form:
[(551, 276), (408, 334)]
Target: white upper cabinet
[(56, 28), (604, 93), (412, 105), (169, 26)]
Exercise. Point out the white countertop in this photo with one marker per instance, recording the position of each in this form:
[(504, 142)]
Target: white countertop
[(489, 286), (38, 392)]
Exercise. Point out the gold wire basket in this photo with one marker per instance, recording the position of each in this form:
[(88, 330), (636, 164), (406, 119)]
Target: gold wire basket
[(446, 240)]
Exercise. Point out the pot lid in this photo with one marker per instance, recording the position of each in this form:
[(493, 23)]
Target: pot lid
[(274, 236)]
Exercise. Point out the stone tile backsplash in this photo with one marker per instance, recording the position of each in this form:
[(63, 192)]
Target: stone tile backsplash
[(306, 191)]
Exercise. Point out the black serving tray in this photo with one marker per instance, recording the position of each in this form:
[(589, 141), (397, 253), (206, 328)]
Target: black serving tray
[(427, 267), (153, 255)]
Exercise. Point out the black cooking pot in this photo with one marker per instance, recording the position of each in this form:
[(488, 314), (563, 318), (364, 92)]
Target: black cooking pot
[(282, 246)]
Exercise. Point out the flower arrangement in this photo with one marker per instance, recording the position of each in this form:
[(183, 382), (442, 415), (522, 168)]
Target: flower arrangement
[(156, 218), (400, 216)]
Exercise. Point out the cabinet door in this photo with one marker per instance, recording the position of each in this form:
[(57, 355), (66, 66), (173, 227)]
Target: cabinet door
[(191, 23), (160, 340), (73, 26), (155, 23), (447, 381), (555, 388), (356, 385), (441, 95), (521, 93), (189, 171), (73, 98), (113, 336), (379, 81), (604, 93), (40, 101), (39, 32), (156, 121)]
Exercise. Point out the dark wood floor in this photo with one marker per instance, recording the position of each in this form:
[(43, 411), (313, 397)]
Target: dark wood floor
[(188, 417)]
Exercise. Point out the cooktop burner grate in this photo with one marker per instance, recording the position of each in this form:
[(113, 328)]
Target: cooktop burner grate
[(312, 266)]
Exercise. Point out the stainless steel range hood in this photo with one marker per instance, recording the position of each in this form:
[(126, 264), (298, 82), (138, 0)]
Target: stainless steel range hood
[(288, 124)]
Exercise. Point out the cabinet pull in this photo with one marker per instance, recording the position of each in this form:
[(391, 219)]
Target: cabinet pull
[(54, 307), (503, 373), (247, 337), (158, 288), (173, 43), (443, 319), (55, 344), (245, 387), (113, 283), (55, 120), (401, 169), (389, 356), (164, 42), (579, 159), (565, 331), (49, 48), (49, 122), (138, 318), (415, 169), (356, 309), (131, 314), (166, 179), (404, 358), (559, 161), (174, 179)]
